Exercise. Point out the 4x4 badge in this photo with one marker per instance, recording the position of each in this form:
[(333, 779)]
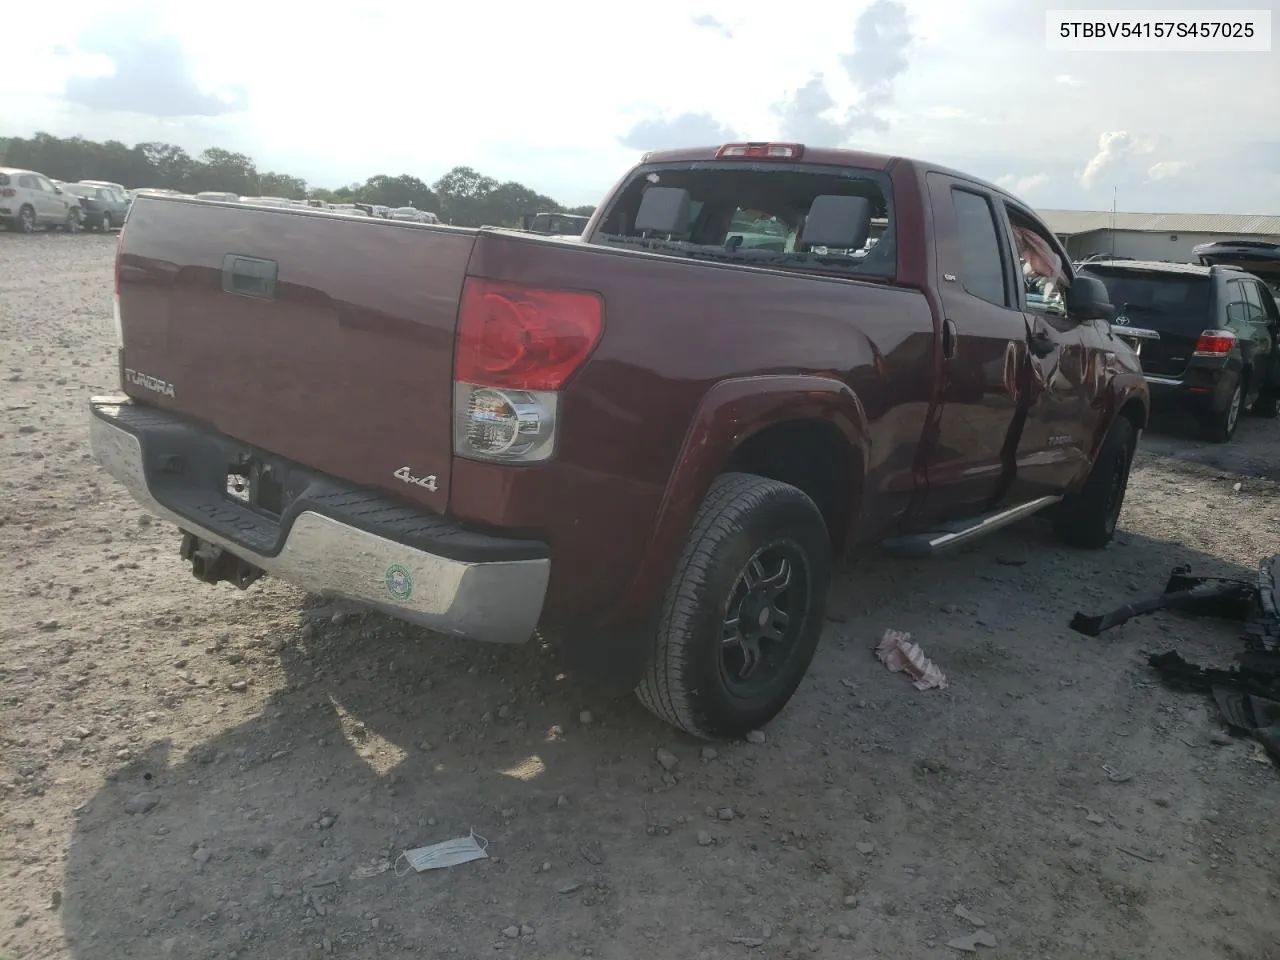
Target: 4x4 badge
[(399, 582)]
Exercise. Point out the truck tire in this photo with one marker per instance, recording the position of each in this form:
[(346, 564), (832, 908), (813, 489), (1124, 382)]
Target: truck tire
[(1087, 518), (1221, 426), (742, 616)]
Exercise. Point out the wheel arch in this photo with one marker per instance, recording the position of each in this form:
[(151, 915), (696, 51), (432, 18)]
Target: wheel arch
[(765, 425)]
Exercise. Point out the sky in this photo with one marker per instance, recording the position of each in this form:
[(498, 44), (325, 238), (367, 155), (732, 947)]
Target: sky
[(564, 95)]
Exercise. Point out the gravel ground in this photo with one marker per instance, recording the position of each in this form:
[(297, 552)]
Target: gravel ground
[(197, 772)]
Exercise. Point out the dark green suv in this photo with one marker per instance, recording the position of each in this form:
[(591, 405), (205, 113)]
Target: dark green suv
[(1206, 336)]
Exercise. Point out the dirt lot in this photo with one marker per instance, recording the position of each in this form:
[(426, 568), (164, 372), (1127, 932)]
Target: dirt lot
[(288, 751)]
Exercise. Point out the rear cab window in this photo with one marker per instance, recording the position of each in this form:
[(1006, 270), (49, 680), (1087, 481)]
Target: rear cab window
[(1165, 300), (753, 213)]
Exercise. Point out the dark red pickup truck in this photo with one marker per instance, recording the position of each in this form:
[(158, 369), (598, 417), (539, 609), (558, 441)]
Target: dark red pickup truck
[(650, 444)]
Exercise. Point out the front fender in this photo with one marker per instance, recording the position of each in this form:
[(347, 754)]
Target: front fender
[(730, 413), (1123, 387)]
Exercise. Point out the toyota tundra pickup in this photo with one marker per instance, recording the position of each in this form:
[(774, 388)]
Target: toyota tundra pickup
[(649, 446)]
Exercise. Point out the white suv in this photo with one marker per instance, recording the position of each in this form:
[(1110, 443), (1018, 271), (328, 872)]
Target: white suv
[(29, 200)]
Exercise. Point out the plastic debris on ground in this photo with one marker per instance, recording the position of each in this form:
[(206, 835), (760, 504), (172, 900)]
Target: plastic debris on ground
[(449, 853), (1247, 693), (897, 652)]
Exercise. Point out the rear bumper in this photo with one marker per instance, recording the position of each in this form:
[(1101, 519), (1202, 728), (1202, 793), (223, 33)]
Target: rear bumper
[(332, 539), (1204, 387)]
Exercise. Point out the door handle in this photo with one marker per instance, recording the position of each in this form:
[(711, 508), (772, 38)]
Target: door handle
[(948, 338)]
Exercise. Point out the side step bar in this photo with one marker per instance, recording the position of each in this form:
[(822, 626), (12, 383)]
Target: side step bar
[(952, 535)]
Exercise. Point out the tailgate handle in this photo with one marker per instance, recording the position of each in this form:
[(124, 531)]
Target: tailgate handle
[(249, 276)]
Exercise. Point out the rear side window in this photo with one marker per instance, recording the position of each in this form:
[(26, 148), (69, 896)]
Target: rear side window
[(4, 179), (1254, 299), (1171, 302), (980, 246)]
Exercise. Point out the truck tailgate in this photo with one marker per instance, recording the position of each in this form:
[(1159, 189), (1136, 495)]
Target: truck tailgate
[(326, 340)]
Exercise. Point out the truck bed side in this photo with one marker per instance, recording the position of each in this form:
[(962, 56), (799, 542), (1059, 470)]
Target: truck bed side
[(674, 328)]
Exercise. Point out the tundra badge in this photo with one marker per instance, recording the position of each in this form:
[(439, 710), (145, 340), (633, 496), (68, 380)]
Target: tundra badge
[(429, 483), (148, 382)]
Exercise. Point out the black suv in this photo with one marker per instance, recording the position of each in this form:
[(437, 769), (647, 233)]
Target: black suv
[(1206, 336)]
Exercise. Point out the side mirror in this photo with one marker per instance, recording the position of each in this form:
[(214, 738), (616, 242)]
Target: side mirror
[(843, 223), (663, 210), (1088, 299), (56, 188)]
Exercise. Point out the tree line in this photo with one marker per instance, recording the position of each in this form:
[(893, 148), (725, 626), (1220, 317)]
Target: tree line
[(462, 196)]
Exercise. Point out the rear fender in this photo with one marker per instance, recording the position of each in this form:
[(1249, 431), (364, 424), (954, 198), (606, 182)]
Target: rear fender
[(732, 412)]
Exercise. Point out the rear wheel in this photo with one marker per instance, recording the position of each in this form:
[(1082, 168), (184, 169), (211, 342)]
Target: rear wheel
[(742, 616), (1221, 426), (106, 222), (75, 219), (27, 219), (1088, 517)]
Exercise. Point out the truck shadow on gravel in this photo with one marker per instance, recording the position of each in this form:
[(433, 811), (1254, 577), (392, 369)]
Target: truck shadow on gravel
[(870, 810)]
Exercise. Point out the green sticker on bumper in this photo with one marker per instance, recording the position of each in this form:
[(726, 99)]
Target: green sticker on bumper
[(399, 582)]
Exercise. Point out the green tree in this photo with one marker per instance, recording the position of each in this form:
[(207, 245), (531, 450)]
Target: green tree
[(272, 184), (463, 195)]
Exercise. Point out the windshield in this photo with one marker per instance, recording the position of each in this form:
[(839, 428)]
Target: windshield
[(1175, 303), (754, 213)]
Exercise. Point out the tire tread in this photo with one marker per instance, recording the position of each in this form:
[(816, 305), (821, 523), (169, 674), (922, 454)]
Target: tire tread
[(663, 689)]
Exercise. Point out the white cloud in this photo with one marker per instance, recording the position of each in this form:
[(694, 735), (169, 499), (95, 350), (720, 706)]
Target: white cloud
[(1068, 80), (1115, 148), (1168, 168), (1021, 186)]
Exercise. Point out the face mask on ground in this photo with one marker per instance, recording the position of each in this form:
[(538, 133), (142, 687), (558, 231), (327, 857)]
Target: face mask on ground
[(450, 853)]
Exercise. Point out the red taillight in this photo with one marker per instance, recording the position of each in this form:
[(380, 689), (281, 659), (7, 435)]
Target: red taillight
[(524, 338), (761, 151), (1215, 343)]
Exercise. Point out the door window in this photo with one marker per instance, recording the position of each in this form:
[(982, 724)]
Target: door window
[(1042, 264), (1254, 313), (980, 247)]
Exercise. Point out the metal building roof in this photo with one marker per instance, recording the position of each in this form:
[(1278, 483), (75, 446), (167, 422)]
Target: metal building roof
[(1086, 221)]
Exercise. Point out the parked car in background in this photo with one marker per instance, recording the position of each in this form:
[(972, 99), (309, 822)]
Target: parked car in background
[(30, 201), (645, 443), (110, 184), (1205, 335), (218, 195), (1258, 257), (555, 224), (414, 215), (271, 202), (104, 207)]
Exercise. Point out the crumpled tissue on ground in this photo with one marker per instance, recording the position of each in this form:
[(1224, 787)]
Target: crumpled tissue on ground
[(900, 655)]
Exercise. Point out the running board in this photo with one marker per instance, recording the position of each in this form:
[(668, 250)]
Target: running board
[(962, 531)]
